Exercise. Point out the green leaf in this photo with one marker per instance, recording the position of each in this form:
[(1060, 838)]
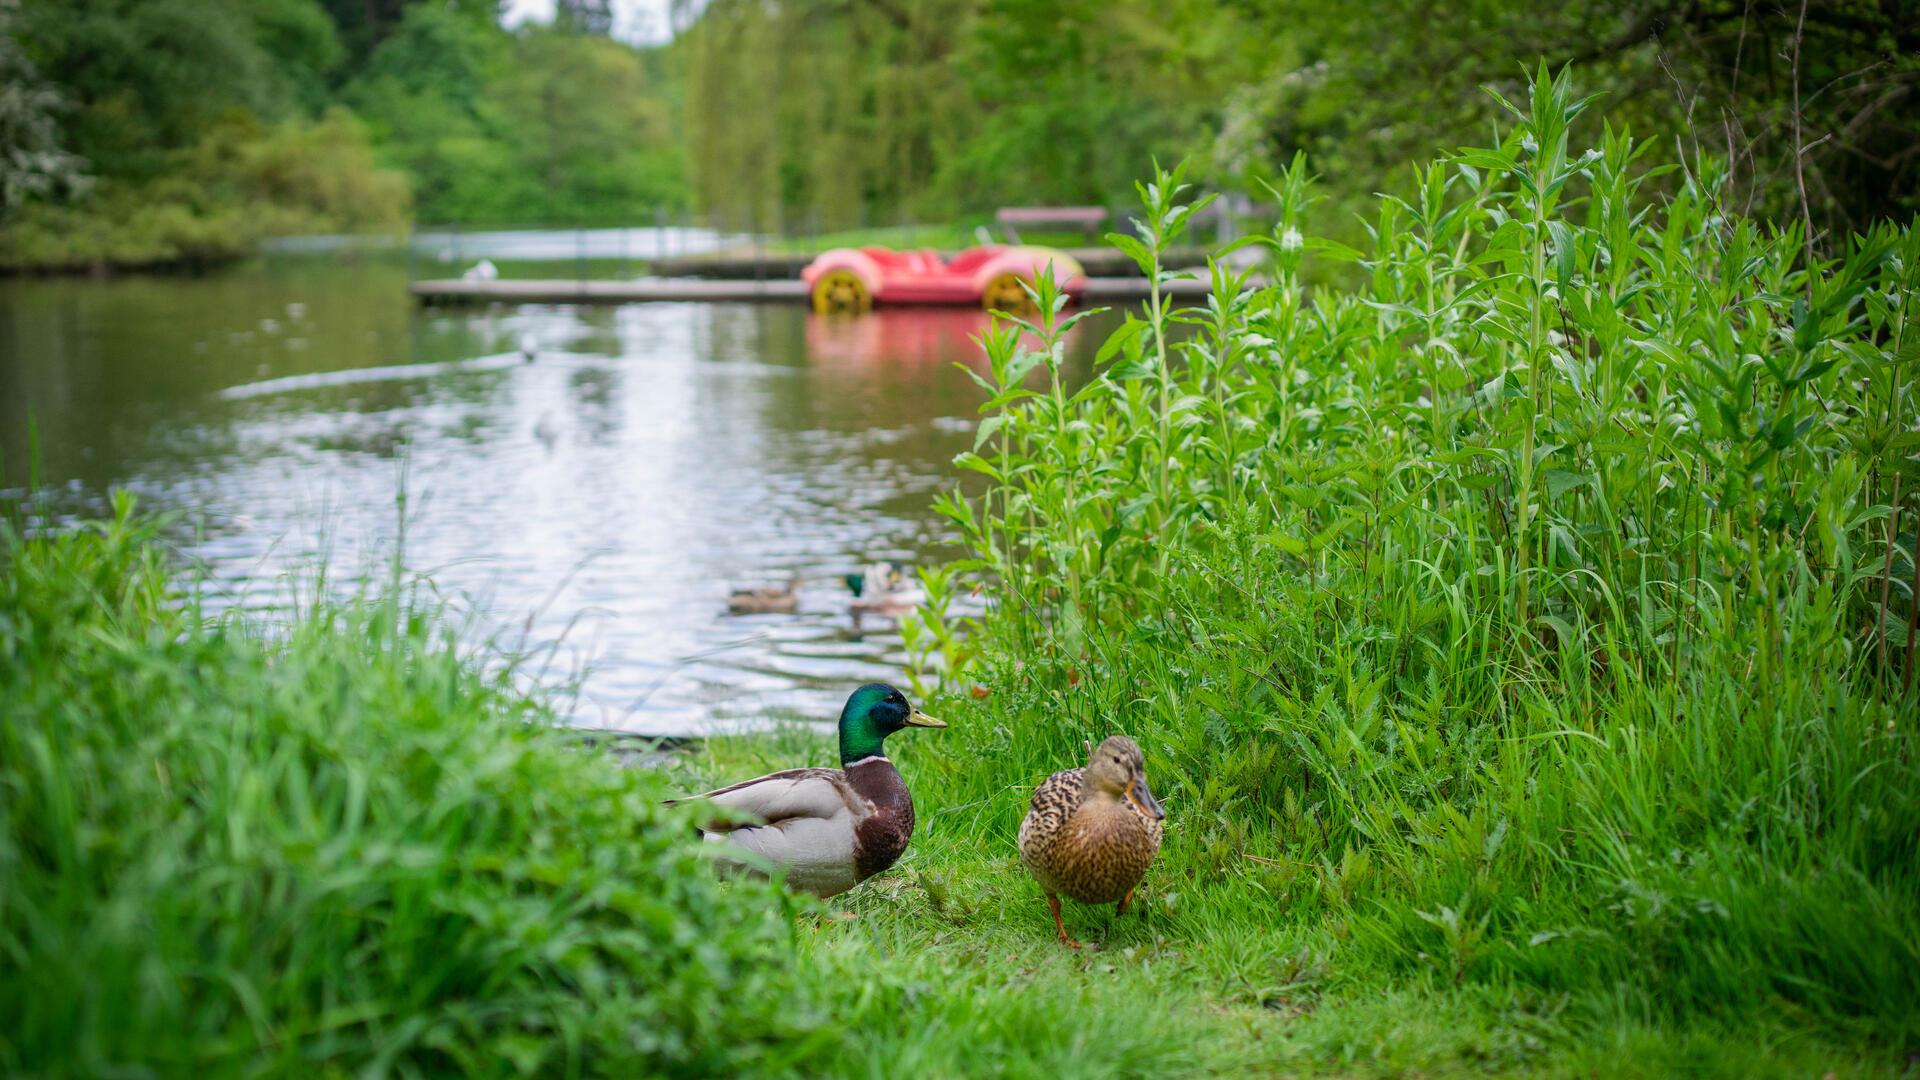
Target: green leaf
[(1906, 355), (1565, 247), (1133, 249), (1117, 340), (1491, 160), (1292, 545), (978, 378), (1561, 630), (1561, 481), (1333, 249), (987, 427), (971, 460), (1022, 365)]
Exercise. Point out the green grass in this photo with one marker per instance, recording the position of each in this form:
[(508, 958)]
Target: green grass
[(1223, 972), (334, 846)]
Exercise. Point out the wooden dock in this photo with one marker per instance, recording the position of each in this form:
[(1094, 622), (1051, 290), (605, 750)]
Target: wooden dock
[(699, 290)]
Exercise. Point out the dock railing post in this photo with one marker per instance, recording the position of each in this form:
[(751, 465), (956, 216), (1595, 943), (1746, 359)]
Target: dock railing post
[(767, 235)]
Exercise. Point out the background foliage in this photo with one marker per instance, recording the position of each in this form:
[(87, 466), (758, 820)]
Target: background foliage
[(935, 107), (809, 115), (207, 126)]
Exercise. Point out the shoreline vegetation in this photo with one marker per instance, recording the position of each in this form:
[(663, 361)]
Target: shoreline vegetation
[(1520, 639), (178, 133)]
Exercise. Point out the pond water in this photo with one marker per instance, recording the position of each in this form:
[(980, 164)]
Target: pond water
[(597, 503)]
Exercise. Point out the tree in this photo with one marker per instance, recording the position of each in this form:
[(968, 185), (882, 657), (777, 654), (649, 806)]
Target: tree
[(590, 131), (1404, 82), (32, 161), (541, 125), (843, 112), (147, 77)]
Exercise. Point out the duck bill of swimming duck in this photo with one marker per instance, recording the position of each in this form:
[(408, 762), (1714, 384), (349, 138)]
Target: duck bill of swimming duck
[(919, 719), (1141, 799)]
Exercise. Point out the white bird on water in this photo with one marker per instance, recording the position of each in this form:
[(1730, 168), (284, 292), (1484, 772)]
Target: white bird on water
[(529, 348), (547, 430), (484, 270)]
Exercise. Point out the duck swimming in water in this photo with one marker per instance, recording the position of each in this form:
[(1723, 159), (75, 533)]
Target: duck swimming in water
[(885, 588), (766, 599)]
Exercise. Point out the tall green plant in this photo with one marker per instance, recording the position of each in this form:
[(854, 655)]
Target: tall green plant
[(1550, 580)]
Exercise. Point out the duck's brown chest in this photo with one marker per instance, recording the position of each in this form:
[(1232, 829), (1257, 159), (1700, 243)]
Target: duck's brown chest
[(1096, 856), (881, 837)]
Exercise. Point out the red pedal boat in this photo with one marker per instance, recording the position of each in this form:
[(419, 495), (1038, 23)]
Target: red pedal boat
[(855, 279)]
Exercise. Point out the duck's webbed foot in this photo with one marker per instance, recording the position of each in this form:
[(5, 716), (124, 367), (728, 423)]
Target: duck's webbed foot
[(1054, 903)]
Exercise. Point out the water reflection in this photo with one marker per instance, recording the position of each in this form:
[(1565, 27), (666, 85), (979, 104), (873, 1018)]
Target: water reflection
[(602, 500)]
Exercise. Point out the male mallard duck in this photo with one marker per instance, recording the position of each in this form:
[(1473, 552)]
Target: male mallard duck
[(766, 598), (886, 588), (831, 828), (1093, 831)]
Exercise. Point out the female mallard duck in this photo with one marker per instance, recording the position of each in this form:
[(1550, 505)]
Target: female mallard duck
[(767, 598), (885, 588), (831, 828), (1093, 831)]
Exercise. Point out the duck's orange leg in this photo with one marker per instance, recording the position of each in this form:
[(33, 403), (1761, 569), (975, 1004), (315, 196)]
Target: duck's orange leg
[(1054, 903), (1124, 901)]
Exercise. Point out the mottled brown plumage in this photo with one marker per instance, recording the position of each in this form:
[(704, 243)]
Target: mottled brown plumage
[(1093, 831)]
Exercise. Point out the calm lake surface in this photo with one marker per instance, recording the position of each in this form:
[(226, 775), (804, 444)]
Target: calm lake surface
[(598, 502)]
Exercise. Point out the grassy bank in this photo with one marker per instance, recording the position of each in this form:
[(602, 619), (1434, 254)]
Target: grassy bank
[(332, 846), (1247, 966), (335, 845)]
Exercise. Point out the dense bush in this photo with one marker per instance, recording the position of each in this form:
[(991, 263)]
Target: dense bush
[(332, 847), (1539, 610), (239, 184)]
